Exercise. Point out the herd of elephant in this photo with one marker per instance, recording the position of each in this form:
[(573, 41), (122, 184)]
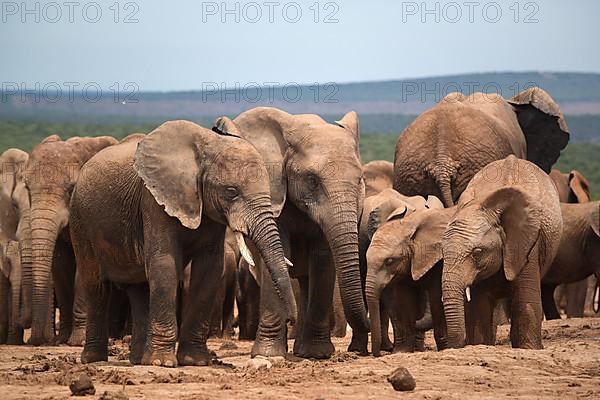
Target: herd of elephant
[(160, 234)]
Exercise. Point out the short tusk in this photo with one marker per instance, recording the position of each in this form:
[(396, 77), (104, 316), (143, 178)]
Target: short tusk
[(468, 293), (244, 250), (596, 298), (288, 262)]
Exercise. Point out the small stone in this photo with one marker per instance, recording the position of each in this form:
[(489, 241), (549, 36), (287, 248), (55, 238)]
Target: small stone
[(82, 386), (259, 362), (402, 380)]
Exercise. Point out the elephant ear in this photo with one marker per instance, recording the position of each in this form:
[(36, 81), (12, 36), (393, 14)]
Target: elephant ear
[(520, 220), (427, 243), (225, 126), (50, 139), (580, 187), (264, 128), (383, 213), (595, 218), (351, 124), (543, 124), (12, 166), (86, 147), (167, 160), (434, 203)]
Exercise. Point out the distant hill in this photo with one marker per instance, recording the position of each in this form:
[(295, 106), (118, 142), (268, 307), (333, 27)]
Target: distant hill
[(384, 106)]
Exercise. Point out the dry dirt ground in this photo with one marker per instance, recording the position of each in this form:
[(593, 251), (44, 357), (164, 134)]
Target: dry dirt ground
[(568, 367)]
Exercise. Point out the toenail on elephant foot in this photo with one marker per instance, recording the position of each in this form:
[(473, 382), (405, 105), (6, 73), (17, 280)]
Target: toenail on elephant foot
[(313, 350), (93, 355), (160, 359), (359, 345), (276, 348), (196, 358), (77, 338)]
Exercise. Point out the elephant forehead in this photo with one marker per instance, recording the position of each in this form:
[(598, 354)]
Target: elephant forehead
[(237, 168)]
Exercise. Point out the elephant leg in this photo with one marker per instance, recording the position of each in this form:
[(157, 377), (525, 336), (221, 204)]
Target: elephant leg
[(576, 292), (314, 340), (480, 317), (228, 303), (404, 309), (15, 331), (139, 300), (248, 304), (63, 276), (4, 306), (296, 289), (548, 302), (77, 336), (118, 312), (205, 280), (438, 318), (217, 311), (526, 307), (339, 319)]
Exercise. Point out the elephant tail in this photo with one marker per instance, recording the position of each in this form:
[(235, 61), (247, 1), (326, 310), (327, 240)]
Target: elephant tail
[(443, 172)]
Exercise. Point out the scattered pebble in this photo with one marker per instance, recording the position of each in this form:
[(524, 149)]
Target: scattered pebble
[(82, 386), (259, 362), (402, 380)]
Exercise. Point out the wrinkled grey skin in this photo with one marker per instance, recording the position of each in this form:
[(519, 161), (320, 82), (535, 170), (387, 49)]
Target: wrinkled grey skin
[(317, 189), (50, 175), (579, 252), (507, 231), (572, 188), (14, 217), (379, 175), (446, 146), (177, 189)]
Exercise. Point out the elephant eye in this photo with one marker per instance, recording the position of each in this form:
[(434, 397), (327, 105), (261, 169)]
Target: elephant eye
[(388, 261), (477, 251), (231, 192), (313, 181)]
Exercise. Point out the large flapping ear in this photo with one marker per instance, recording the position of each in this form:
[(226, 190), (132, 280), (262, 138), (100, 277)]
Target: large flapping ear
[(580, 187), (543, 124), (386, 211), (350, 123), (427, 241), (264, 127), (12, 165), (520, 220), (594, 218), (168, 161), (225, 126)]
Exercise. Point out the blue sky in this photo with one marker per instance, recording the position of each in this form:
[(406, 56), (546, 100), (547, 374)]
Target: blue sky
[(183, 45)]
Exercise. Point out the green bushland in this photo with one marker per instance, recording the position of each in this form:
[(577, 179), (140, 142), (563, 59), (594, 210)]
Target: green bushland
[(584, 157)]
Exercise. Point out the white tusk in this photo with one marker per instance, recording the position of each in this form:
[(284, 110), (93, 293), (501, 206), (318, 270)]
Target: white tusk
[(468, 293), (288, 262), (244, 250)]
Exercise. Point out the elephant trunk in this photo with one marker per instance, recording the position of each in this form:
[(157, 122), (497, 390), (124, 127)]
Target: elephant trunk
[(26, 265), (342, 236), (45, 226), (373, 292), (453, 289), (265, 235)]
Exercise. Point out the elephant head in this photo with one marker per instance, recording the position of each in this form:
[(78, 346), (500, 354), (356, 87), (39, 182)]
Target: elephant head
[(316, 167), (405, 246), (197, 173), (50, 176), (379, 175), (572, 187), (485, 235)]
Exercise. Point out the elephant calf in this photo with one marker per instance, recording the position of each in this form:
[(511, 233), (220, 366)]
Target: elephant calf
[(578, 254), (143, 209), (507, 231)]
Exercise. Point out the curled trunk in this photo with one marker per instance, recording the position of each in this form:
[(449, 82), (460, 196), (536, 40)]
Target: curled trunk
[(342, 236), (265, 235), (453, 290)]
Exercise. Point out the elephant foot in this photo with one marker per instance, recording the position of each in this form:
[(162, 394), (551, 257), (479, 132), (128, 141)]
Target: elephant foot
[(319, 350), (386, 344), (91, 355), (160, 358), (358, 344), (196, 355), (339, 331), (40, 341), (420, 341), (135, 358), (269, 347), (77, 337), (14, 341)]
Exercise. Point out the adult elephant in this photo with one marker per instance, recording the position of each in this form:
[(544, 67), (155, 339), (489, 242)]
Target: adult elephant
[(14, 250), (578, 254), (405, 257), (317, 191), (379, 175), (444, 147), (176, 190), (51, 173), (572, 188), (507, 231)]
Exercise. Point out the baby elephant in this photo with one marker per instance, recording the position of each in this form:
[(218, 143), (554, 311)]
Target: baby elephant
[(143, 209), (405, 256), (579, 253), (504, 236)]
